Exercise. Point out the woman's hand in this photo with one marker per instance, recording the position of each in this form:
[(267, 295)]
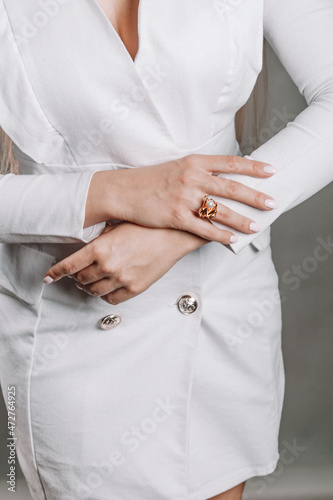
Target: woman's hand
[(169, 195), (125, 260)]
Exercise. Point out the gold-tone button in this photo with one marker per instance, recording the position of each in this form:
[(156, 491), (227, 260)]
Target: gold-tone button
[(110, 321), (187, 303)]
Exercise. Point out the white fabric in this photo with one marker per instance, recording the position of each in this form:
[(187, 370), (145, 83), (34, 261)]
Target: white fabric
[(300, 34), (292, 151), (206, 389), (91, 232)]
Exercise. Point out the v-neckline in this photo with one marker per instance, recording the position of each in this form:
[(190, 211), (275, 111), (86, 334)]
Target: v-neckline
[(116, 34)]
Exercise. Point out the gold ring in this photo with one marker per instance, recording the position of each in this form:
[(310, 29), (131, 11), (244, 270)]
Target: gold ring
[(208, 209)]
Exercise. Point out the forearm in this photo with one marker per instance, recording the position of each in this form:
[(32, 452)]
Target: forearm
[(102, 199)]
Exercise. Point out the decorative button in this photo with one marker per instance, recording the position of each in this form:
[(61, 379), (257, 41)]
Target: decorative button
[(187, 303), (110, 321)]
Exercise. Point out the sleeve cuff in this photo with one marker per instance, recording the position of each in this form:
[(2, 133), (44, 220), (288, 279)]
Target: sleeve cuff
[(91, 232)]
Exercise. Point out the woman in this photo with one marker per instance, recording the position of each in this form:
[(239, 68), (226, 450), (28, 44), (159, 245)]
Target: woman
[(171, 386)]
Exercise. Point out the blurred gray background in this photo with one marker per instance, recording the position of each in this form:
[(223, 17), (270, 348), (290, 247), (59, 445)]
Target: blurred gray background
[(306, 435)]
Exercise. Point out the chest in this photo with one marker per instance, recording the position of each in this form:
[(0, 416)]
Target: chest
[(123, 16), (196, 64)]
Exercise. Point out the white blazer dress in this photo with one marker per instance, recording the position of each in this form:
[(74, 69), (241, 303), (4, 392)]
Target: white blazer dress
[(180, 399)]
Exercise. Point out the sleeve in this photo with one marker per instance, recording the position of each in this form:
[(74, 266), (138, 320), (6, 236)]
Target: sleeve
[(45, 208), (36, 208), (300, 32), (91, 232)]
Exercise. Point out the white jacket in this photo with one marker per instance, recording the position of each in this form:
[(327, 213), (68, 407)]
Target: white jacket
[(54, 109), (74, 102)]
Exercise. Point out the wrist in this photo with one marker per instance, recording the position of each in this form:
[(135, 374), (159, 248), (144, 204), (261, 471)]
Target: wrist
[(104, 198)]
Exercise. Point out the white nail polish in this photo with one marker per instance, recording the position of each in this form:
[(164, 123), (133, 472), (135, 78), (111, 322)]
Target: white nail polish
[(255, 227), (48, 280), (271, 203), (233, 238), (268, 169)]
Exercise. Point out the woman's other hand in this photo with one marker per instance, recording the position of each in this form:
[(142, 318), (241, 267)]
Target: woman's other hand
[(124, 260)]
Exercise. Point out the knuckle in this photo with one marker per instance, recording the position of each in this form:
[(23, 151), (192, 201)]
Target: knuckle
[(255, 168), (259, 199), (67, 267), (186, 178), (106, 268), (224, 213), (245, 225), (225, 238), (131, 284), (118, 279), (133, 288), (98, 252), (123, 279), (232, 164), (190, 160), (232, 187)]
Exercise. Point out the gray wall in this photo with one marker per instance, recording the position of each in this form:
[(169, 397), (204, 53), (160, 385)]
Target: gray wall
[(307, 329), (307, 334)]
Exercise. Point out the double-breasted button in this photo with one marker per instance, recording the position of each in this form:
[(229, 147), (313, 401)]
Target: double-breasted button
[(187, 303), (110, 321)]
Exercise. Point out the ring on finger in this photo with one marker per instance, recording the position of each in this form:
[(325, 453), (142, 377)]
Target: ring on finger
[(208, 209)]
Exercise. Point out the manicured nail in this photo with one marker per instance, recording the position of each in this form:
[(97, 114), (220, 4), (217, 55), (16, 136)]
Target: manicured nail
[(233, 238), (255, 227), (271, 203), (268, 169), (48, 280)]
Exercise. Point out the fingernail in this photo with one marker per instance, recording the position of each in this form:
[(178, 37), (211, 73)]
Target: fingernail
[(79, 286), (48, 280), (233, 238), (271, 203), (268, 169), (255, 227)]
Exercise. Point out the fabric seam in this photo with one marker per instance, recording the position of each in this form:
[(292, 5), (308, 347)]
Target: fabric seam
[(29, 399), (31, 86), (229, 70)]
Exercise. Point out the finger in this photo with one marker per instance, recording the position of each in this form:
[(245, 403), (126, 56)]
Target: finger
[(233, 190), (235, 220), (70, 265), (90, 274), (99, 288), (118, 296), (208, 231), (230, 164)]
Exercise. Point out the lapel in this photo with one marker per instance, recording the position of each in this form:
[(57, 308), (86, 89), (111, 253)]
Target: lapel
[(110, 109), (88, 86)]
